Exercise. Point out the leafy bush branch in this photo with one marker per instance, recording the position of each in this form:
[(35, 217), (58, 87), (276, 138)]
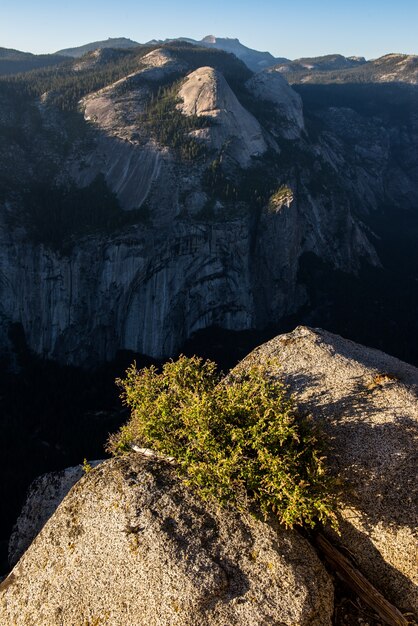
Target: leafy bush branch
[(237, 439)]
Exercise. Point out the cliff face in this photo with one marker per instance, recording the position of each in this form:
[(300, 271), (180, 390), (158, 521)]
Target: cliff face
[(272, 87), (148, 290), (193, 163), (206, 93), (145, 294)]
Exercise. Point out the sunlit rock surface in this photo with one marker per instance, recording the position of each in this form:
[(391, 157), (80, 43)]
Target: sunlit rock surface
[(367, 402), (130, 544)]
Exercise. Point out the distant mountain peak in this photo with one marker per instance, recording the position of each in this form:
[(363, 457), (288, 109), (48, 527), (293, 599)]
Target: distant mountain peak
[(110, 42), (254, 59), (213, 39), (357, 59)]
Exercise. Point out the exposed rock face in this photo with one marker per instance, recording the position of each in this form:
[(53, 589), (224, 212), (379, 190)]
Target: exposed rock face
[(205, 247), (44, 496), (270, 85), (130, 544), (130, 171), (130, 162), (397, 67), (163, 286), (205, 92), (368, 404), (115, 108), (149, 290)]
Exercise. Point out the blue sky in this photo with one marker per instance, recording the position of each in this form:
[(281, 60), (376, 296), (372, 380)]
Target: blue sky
[(368, 28)]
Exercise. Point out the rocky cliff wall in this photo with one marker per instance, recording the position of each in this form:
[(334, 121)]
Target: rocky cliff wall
[(204, 244)]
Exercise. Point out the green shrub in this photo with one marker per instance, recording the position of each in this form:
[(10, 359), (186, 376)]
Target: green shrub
[(238, 439)]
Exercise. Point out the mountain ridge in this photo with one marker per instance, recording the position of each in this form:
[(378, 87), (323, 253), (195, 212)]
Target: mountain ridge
[(14, 61), (111, 42), (334, 69), (139, 164), (324, 68)]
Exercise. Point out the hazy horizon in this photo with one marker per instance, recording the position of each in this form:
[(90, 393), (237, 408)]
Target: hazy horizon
[(370, 29)]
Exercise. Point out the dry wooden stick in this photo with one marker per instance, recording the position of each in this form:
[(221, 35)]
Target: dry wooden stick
[(359, 584)]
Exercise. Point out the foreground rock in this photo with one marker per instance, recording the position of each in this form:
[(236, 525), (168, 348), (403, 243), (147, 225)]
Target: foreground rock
[(368, 403), (130, 544), (44, 496)]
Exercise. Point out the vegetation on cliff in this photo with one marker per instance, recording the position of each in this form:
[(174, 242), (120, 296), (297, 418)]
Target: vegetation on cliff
[(238, 439), (170, 127)]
